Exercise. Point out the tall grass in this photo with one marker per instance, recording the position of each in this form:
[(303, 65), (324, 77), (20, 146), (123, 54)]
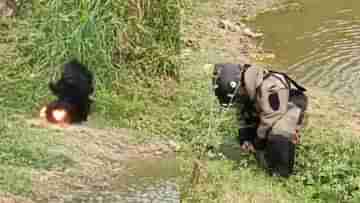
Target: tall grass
[(149, 43), (60, 30), (41, 39)]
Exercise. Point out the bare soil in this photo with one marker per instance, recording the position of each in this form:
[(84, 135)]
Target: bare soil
[(219, 28)]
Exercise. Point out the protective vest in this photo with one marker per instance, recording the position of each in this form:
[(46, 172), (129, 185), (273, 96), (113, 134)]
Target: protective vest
[(270, 96)]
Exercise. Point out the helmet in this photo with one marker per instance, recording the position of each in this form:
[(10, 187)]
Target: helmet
[(226, 82)]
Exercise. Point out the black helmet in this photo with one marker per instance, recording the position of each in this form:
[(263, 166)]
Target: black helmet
[(226, 82)]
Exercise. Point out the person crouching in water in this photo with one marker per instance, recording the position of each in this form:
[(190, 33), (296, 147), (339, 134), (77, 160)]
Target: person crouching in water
[(271, 107)]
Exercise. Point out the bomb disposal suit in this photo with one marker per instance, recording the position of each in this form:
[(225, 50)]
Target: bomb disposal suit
[(271, 105)]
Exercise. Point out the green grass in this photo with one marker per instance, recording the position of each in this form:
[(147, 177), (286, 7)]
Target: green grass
[(327, 164), (44, 35), (24, 149), (140, 85), (150, 42), (15, 180), (327, 167), (34, 45), (42, 38)]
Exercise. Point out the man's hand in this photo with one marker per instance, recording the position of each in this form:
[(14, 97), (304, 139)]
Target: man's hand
[(296, 139), (247, 147)]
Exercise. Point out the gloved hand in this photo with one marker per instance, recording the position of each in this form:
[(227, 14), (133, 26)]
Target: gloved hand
[(296, 138), (247, 147), (246, 135), (246, 139)]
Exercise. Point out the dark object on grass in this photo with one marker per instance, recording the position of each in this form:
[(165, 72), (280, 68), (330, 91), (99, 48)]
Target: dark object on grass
[(73, 90)]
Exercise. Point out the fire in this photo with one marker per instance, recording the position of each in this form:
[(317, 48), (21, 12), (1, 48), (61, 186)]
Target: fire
[(59, 115)]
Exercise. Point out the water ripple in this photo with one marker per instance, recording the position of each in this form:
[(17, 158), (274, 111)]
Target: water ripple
[(336, 61), (320, 47)]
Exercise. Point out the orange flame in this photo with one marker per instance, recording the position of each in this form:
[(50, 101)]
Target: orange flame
[(59, 115)]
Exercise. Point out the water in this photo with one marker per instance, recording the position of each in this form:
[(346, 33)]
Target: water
[(318, 43), (149, 180)]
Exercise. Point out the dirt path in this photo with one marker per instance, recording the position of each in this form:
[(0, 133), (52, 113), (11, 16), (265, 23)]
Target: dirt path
[(217, 29)]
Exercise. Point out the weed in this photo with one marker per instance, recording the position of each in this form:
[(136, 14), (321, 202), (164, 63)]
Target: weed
[(149, 44)]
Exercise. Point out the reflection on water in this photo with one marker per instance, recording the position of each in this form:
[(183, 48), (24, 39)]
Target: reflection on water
[(146, 181), (163, 192), (319, 44)]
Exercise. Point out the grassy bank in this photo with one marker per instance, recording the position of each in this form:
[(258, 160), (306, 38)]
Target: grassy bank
[(140, 84), (122, 42), (327, 165)]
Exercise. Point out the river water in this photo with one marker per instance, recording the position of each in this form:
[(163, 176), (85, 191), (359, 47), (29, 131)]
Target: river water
[(146, 181), (317, 42)]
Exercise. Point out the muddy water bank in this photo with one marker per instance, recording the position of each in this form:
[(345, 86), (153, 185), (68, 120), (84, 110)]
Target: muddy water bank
[(139, 180)]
